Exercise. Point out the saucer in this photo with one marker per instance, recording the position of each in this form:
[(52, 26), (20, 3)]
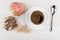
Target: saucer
[(44, 24)]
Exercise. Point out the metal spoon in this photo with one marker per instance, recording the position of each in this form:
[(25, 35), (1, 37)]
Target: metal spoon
[(53, 12)]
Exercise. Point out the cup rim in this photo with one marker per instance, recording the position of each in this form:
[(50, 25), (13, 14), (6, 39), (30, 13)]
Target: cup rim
[(31, 14)]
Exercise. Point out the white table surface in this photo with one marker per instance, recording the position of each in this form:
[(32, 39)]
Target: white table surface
[(42, 35)]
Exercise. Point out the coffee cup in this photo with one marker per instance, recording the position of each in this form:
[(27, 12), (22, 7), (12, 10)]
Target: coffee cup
[(37, 18)]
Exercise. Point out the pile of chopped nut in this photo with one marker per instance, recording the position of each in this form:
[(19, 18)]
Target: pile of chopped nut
[(24, 28)]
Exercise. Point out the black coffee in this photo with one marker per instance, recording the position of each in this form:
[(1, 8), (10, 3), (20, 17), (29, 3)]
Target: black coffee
[(37, 17)]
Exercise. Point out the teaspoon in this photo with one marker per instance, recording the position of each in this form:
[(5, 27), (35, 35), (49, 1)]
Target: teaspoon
[(53, 12)]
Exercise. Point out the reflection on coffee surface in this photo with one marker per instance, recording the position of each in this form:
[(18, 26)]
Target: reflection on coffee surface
[(37, 17)]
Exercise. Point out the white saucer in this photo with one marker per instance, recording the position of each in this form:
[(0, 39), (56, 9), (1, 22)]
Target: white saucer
[(46, 22)]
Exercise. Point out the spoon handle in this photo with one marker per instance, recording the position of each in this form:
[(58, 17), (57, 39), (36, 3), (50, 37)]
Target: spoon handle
[(51, 25)]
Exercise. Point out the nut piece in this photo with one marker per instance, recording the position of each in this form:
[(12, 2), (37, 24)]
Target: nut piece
[(27, 30), (20, 30)]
